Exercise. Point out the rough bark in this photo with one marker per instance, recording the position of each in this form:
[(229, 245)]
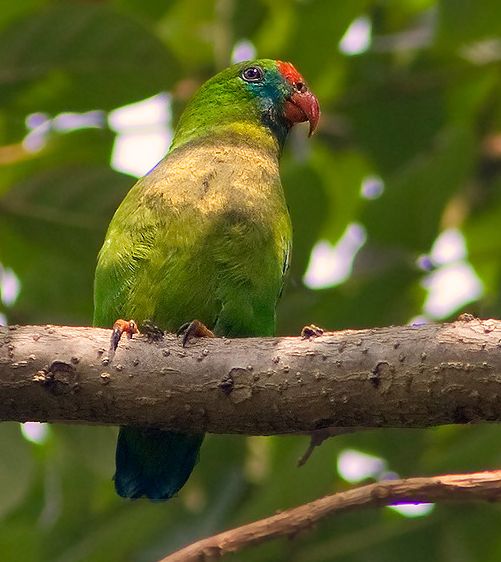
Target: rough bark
[(395, 377), (480, 486)]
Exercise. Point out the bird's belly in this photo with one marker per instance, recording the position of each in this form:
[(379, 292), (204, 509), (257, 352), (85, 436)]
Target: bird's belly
[(232, 257)]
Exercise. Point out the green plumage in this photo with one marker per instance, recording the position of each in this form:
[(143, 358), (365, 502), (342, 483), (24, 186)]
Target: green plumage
[(206, 234)]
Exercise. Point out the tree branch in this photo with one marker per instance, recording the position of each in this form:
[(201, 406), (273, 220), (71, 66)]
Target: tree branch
[(393, 377), (479, 486)]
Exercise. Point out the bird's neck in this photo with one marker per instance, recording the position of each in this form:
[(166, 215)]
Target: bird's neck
[(240, 133)]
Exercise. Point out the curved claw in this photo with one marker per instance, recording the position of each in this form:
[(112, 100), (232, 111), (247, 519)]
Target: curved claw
[(194, 329)]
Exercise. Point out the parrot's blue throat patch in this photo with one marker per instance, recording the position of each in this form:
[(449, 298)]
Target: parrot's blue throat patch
[(271, 95)]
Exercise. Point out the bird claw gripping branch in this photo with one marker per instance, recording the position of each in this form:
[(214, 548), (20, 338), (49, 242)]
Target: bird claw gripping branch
[(152, 332), (311, 331), (120, 327), (194, 329)]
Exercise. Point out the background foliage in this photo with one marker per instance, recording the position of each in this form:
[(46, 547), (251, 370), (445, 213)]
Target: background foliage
[(409, 147)]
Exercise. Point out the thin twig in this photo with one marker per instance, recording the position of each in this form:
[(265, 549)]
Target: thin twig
[(479, 486), (318, 436)]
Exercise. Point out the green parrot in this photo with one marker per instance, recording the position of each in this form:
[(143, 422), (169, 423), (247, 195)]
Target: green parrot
[(203, 241)]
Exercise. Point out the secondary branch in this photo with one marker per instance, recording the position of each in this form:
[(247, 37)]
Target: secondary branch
[(480, 486), (394, 377)]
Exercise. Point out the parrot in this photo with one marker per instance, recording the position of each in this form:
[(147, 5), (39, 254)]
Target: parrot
[(202, 242)]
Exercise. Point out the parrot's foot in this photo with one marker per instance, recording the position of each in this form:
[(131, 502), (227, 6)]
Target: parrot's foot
[(194, 329), (311, 331), (151, 331), (120, 327)]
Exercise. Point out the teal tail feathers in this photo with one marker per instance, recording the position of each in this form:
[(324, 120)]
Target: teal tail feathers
[(154, 463)]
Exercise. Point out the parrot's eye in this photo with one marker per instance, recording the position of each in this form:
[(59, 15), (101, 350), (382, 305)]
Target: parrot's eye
[(301, 87), (253, 74)]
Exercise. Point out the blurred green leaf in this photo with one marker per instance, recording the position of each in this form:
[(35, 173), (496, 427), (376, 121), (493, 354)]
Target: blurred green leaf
[(150, 10), (276, 31), (16, 468), (191, 32), (394, 116), (357, 303), (19, 543), (320, 25), (308, 203), (464, 21), (79, 57), (48, 220), (421, 189), (344, 172), (12, 10)]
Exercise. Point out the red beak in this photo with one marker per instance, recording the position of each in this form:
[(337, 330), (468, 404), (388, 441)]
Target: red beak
[(302, 106)]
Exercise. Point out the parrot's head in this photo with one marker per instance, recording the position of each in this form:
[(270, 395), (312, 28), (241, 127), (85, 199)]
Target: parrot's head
[(281, 93), (267, 92)]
